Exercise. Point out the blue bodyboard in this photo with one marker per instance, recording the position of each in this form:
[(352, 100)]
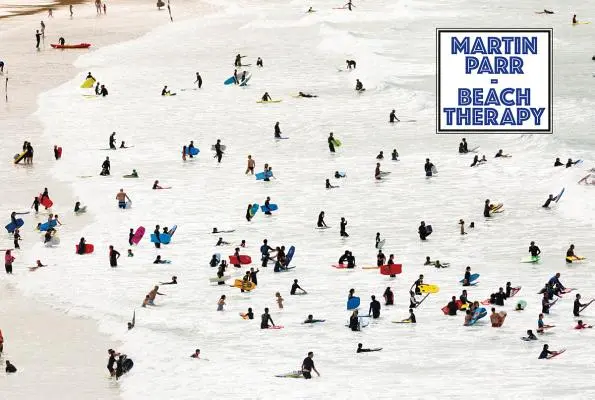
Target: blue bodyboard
[(163, 238), (472, 279), (254, 209), (192, 151), (271, 207), (289, 255), (11, 227), (477, 315), (230, 81), (353, 303), (261, 175), (47, 225), (560, 195)]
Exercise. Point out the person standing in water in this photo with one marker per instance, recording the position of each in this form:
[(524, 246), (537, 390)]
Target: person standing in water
[(308, 366), (122, 197), (321, 223), (343, 224), (218, 151), (198, 80), (331, 143), (113, 257), (112, 141), (37, 38)]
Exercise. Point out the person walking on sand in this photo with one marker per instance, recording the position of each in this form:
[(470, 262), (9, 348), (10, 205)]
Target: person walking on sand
[(122, 197)]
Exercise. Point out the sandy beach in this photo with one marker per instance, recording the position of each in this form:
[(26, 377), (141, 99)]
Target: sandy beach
[(59, 355)]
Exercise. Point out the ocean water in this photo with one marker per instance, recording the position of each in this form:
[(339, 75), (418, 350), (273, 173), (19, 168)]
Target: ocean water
[(12, 7), (394, 45)]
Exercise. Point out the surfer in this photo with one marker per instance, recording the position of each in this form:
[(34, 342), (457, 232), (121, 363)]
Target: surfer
[(350, 64), (359, 86), (218, 151), (277, 131), (500, 153), (250, 166), (360, 349), (156, 185), (549, 200), (198, 80), (165, 92), (558, 163), (10, 368), (534, 250), (343, 224), (16, 237), (354, 324), (265, 318), (487, 208), (377, 172), (574, 20), (1, 67), (152, 294), (462, 223), (105, 167), (463, 147), (392, 117), (395, 155), (467, 277), (265, 250), (308, 95), (238, 60), (37, 38), (349, 5), (190, 147), (422, 230), (452, 306), (321, 223), (546, 353), (259, 60), (581, 325), (122, 197), (329, 186), (389, 297), (266, 97), (113, 257), (308, 366), (570, 254), (428, 166), (331, 143), (374, 309), (380, 155), (545, 11), (61, 41), (578, 306), (103, 91), (111, 361), (530, 335), (417, 284), (476, 161), (112, 141), (570, 163)]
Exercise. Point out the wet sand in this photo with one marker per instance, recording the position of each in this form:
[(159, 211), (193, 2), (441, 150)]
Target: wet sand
[(58, 356)]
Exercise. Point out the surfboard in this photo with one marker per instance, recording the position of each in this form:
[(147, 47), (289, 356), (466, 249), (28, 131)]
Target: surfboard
[(471, 279), (271, 207), (164, 238), (530, 259), (222, 279), (244, 81), (138, 235), (254, 209), (380, 244), (11, 227), (337, 143), (581, 23), (353, 303), (47, 225), (560, 195), (575, 259), (520, 305), (19, 157), (393, 269), (289, 255), (477, 315), (89, 248), (269, 101), (223, 147), (243, 260), (430, 289), (231, 80), (295, 374)]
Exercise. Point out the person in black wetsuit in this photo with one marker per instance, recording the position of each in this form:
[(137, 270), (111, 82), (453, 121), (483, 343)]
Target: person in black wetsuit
[(558, 163), (570, 163), (266, 97), (321, 223), (548, 201), (578, 306), (249, 213), (422, 230), (428, 167), (331, 143), (218, 151), (81, 248), (359, 86), (198, 80), (10, 368), (534, 250), (157, 237), (389, 297), (416, 284), (111, 361), (344, 257), (253, 276), (360, 349), (174, 281), (259, 62), (487, 208), (392, 117), (130, 236), (545, 353), (105, 167), (103, 92), (277, 131), (265, 250), (308, 95), (265, 318), (350, 260), (467, 277), (350, 64), (411, 318), (354, 321), (308, 366), (113, 257), (112, 141), (452, 306), (295, 287), (343, 223), (374, 308), (329, 186)]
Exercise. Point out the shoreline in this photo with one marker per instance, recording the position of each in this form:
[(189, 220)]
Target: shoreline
[(35, 9), (48, 342)]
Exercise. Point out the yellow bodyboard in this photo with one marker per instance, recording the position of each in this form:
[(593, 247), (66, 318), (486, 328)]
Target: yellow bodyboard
[(247, 286), (18, 158), (88, 83), (429, 288)]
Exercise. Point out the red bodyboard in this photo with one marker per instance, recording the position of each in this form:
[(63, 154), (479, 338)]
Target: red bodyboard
[(394, 269), (444, 309), (243, 260), (59, 149), (89, 248), (47, 203)]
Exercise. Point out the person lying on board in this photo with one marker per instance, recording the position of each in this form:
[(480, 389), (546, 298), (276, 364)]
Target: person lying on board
[(360, 349), (311, 320), (302, 94), (500, 153), (581, 325)]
